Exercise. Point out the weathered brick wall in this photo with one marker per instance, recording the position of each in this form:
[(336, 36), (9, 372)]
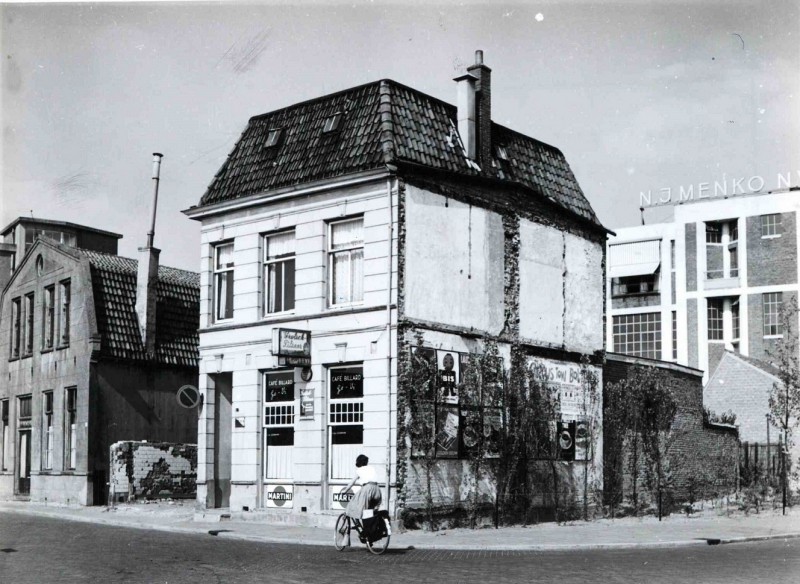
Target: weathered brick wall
[(698, 452), (772, 261), (691, 331), (148, 470), (714, 260), (636, 301), (691, 257)]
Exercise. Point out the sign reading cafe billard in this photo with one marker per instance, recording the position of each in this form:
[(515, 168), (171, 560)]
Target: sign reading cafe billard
[(292, 347)]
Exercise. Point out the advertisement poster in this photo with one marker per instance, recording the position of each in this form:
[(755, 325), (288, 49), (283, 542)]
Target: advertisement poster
[(424, 359), (566, 440), (279, 496), (307, 402), (340, 499), (583, 438), (447, 432), (565, 378), (448, 363), (292, 346), (279, 386)]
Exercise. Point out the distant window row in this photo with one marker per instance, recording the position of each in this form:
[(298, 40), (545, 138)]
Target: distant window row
[(55, 322), (631, 285), (770, 227), (47, 427), (345, 253)]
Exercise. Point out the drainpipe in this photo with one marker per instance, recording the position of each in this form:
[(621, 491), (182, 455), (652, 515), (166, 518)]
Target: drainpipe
[(389, 341)]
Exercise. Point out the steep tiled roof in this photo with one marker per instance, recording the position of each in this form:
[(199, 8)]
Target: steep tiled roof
[(177, 310), (383, 123)]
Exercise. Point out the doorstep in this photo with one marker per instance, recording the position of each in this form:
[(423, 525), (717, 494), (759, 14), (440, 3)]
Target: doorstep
[(325, 519)]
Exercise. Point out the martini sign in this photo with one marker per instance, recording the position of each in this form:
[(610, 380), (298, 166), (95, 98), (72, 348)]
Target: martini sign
[(280, 496)]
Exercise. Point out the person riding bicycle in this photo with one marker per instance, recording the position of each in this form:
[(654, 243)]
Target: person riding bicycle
[(369, 497)]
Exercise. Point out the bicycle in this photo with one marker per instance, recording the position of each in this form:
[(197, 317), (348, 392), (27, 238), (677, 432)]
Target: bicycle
[(377, 541)]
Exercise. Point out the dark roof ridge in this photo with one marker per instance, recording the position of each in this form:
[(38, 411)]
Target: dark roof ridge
[(56, 222), (527, 137)]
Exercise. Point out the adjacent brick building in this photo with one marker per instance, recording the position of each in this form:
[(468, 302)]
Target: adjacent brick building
[(83, 365), (342, 226)]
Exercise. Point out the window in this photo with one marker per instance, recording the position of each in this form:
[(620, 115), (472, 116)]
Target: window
[(273, 138), (223, 282), (346, 261), (70, 427), (28, 327), (16, 326), (24, 413), (674, 335), (715, 311), (279, 413), (48, 317), (772, 302), (735, 319), (713, 233), (63, 313), (733, 250), (646, 284), (638, 335), (345, 419), (672, 254), (279, 272), (770, 225), (5, 436), (332, 123), (47, 430)]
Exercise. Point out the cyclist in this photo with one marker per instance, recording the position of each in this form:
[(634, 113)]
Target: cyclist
[(369, 497)]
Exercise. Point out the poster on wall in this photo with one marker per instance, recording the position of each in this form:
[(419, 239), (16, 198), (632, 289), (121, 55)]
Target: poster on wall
[(280, 496), (424, 360), (339, 498), (448, 363), (563, 378), (306, 403), (583, 439), (447, 432)]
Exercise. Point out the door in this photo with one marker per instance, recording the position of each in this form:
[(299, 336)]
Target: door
[(24, 477), (223, 388)]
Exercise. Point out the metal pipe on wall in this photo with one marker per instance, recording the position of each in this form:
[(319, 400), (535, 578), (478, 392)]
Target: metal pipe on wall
[(390, 234)]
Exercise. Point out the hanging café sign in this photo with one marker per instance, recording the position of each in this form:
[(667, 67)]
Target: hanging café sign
[(292, 347)]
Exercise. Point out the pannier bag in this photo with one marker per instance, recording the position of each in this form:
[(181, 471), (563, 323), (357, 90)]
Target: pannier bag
[(375, 527)]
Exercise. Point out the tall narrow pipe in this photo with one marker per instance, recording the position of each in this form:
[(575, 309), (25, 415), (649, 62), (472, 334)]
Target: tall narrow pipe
[(157, 156)]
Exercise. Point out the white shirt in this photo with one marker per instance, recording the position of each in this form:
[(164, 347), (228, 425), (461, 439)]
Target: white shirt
[(366, 474)]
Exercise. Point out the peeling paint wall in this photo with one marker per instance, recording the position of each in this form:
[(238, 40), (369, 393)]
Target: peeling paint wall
[(453, 262), (146, 470)]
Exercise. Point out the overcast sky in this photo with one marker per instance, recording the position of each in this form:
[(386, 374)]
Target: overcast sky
[(638, 95)]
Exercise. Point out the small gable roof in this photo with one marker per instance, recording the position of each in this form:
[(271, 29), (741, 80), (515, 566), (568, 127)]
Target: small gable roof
[(177, 310), (383, 123), (763, 366)]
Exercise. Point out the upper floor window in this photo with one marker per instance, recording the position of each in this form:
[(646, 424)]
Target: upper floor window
[(713, 233), (223, 281), (772, 302), (644, 284), (16, 326), (48, 317), (770, 225), (346, 261), (279, 272), (638, 334), (715, 320), (65, 300), (29, 323)]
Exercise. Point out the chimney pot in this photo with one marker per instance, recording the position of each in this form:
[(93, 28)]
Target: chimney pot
[(479, 57)]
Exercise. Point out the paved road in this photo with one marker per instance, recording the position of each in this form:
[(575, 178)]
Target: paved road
[(42, 550)]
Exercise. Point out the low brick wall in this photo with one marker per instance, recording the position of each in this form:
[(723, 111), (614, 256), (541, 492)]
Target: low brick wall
[(702, 457), (152, 470)]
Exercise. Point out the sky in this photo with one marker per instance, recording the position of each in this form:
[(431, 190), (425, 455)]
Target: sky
[(639, 96)]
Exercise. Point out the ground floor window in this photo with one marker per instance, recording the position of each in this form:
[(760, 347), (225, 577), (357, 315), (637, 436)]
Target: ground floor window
[(345, 420), (279, 414), (47, 430), (5, 436), (70, 427)]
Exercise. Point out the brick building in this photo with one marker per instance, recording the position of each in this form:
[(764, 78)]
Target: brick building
[(83, 364), (337, 229), (711, 281)]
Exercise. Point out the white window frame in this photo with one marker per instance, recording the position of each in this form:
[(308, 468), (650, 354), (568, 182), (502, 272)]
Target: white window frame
[(48, 433), (5, 433), (276, 414), (217, 274), (349, 251), (70, 427), (771, 225), (344, 412), (772, 319), (280, 262), (717, 304), (634, 341)]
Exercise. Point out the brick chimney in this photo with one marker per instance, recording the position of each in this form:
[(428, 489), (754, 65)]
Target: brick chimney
[(147, 274), (483, 108)]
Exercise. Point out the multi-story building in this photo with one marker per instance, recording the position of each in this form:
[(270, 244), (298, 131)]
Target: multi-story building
[(711, 281), (337, 229), (93, 349)]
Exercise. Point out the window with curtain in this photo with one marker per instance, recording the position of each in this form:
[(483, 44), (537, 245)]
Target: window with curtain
[(223, 282), (346, 261), (279, 258), (63, 315)]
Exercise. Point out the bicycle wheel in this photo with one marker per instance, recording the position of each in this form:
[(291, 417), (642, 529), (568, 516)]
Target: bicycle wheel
[(381, 545), (341, 536)]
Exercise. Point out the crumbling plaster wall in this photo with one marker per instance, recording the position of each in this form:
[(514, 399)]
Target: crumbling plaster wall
[(151, 470)]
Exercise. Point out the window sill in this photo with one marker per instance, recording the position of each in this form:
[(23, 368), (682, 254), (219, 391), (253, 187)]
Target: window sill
[(776, 236), (346, 305), (48, 350), (62, 346), (272, 315), (773, 336), (636, 294), (10, 359)]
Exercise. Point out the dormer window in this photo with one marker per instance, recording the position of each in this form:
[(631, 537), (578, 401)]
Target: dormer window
[(502, 154), (273, 138), (332, 123)]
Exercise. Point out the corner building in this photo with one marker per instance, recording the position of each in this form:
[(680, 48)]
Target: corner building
[(336, 230)]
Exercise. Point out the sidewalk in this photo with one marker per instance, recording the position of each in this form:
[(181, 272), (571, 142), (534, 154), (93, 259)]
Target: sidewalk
[(647, 532)]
